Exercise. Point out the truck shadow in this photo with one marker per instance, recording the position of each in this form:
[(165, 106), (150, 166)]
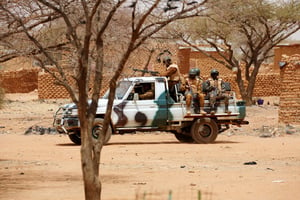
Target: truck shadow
[(139, 143), (168, 142), (147, 143)]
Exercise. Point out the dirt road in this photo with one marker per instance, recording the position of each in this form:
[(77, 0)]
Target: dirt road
[(240, 165)]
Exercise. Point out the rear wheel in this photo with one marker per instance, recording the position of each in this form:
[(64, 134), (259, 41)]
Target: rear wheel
[(183, 138), (204, 130)]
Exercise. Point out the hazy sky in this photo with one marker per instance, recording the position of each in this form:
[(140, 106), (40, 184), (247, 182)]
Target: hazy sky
[(295, 36)]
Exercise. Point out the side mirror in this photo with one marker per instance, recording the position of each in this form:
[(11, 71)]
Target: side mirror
[(135, 97)]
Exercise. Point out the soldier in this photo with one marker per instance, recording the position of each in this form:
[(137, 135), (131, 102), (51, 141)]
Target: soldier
[(215, 88), (173, 75), (194, 92), (198, 73), (148, 92)]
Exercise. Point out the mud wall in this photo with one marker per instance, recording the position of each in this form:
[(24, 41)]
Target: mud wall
[(289, 112), (266, 85), (20, 81), (48, 89), (24, 81), (280, 50)]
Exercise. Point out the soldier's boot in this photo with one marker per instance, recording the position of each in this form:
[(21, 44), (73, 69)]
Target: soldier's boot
[(212, 109), (188, 110), (202, 111), (226, 109), (188, 104), (201, 102), (212, 102)]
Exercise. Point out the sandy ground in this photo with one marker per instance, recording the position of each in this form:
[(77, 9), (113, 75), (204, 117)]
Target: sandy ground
[(152, 166)]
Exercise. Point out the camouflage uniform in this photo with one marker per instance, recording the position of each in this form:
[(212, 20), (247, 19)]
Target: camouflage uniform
[(194, 93), (215, 89)]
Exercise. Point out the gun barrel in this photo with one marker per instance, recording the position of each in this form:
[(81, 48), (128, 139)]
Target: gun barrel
[(146, 71)]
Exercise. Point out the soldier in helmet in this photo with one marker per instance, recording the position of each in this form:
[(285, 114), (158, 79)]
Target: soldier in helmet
[(215, 88), (173, 75), (194, 92), (198, 73)]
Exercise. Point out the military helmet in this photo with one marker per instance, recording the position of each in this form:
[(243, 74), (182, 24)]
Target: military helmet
[(193, 71), (197, 71), (214, 72)]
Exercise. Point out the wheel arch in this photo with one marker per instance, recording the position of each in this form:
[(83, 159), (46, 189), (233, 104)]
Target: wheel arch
[(101, 116)]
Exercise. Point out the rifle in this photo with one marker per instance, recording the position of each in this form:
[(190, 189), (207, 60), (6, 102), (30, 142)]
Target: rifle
[(153, 73)]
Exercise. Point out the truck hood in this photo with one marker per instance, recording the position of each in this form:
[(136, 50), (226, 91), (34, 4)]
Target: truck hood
[(102, 104)]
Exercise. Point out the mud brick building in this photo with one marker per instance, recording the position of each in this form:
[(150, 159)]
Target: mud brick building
[(47, 89), (289, 112), (19, 81)]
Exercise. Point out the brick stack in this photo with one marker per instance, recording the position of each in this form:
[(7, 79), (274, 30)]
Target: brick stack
[(267, 85), (289, 112), (20, 81), (47, 89)]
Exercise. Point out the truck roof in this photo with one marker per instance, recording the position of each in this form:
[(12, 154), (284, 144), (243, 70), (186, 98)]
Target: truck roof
[(144, 78)]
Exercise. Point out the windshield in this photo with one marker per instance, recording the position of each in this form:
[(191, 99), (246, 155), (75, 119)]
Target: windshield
[(121, 90)]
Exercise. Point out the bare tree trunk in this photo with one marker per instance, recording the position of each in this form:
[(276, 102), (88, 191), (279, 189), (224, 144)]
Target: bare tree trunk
[(92, 184), (240, 82)]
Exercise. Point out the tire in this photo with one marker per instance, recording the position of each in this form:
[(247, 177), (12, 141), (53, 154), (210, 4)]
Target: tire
[(204, 131), (75, 137), (183, 138), (98, 124)]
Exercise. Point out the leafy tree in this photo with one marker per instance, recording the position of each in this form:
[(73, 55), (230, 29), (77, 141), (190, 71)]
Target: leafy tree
[(243, 33), (86, 28)]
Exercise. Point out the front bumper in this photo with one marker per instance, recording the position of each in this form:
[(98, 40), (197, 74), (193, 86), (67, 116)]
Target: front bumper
[(65, 124)]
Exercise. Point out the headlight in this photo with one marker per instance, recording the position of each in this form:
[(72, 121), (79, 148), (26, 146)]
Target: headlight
[(68, 112)]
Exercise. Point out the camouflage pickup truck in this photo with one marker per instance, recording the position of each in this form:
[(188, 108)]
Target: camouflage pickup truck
[(135, 109)]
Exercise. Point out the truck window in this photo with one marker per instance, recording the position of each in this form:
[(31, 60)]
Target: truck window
[(145, 91), (121, 89)]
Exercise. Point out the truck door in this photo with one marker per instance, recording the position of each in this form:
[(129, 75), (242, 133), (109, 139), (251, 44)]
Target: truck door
[(161, 113), (145, 107)]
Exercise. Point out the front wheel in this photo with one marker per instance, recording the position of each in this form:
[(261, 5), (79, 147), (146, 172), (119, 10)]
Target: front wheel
[(204, 130), (75, 137), (98, 125)]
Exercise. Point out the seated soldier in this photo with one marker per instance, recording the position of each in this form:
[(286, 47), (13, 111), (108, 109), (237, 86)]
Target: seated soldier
[(215, 88), (193, 93), (148, 92)]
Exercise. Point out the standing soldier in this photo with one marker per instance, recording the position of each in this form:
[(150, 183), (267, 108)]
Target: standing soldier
[(173, 75), (194, 92), (215, 88)]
